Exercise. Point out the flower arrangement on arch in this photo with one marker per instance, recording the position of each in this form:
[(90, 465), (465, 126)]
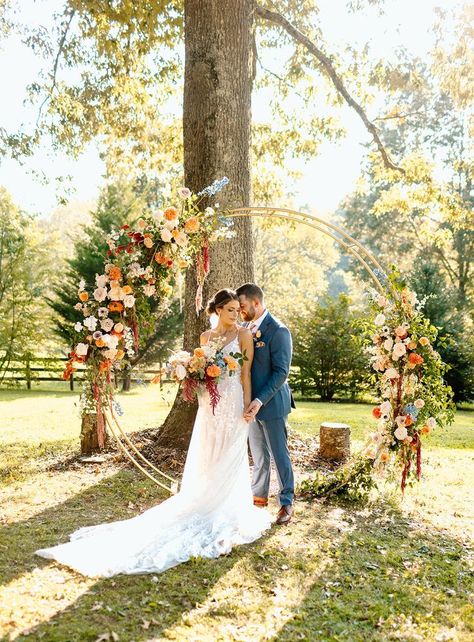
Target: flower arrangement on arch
[(203, 369), (414, 397), (145, 260)]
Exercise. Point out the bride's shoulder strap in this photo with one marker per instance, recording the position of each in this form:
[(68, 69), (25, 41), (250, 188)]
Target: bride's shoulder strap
[(205, 336)]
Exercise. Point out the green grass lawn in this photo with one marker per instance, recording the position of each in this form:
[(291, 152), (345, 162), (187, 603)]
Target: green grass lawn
[(392, 569)]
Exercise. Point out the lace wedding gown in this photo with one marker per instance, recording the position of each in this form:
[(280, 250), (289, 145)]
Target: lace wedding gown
[(213, 511)]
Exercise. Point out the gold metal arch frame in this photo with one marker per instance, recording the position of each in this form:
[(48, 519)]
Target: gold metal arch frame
[(340, 236)]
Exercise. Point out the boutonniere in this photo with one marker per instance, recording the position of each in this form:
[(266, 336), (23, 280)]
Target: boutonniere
[(260, 344), (256, 336)]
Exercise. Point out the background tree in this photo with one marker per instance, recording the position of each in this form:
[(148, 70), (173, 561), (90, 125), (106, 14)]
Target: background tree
[(328, 350)]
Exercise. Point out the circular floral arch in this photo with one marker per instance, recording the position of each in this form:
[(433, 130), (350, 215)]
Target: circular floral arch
[(145, 261)]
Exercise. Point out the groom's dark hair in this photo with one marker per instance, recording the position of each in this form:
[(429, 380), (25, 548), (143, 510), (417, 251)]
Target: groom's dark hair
[(250, 291)]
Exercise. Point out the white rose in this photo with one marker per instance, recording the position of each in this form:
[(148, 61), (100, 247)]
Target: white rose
[(78, 326), (101, 280), (388, 344), (129, 301), (110, 353), (110, 340), (90, 323), (148, 289), (398, 351), (166, 235), (158, 216), (182, 239), (100, 294), (400, 420), (401, 433), (78, 306), (382, 301), (107, 324), (379, 319), (180, 371), (115, 294), (391, 373), (81, 349), (170, 225), (431, 422), (385, 407), (419, 403)]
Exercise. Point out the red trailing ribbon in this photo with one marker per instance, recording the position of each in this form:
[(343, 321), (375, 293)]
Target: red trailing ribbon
[(211, 386), (205, 258), (188, 390), (418, 456)]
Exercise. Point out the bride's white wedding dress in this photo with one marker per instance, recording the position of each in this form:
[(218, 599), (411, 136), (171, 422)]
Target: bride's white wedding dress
[(213, 511)]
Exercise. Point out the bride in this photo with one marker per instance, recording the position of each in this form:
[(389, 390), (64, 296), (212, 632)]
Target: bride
[(213, 510)]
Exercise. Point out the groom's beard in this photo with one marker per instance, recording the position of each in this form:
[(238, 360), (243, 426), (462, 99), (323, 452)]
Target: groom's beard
[(248, 316)]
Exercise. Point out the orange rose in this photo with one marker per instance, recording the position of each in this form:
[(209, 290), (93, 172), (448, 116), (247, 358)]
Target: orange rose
[(115, 306), (171, 213), (376, 412), (120, 354), (115, 273), (408, 420), (425, 430), (231, 363), (160, 258), (83, 296), (100, 343), (199, 352), (424, 341), (213, 371), (127, 289), (192, 225), (415, 359), (411, 345)]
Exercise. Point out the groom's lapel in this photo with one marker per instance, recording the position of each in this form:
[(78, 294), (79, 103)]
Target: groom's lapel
[(265, 323)]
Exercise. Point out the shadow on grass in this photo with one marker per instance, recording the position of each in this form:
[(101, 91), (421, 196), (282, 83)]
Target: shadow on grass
[(129, 602), (388, 578)]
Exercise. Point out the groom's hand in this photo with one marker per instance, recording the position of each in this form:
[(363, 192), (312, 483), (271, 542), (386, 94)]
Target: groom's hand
[(252, 409)]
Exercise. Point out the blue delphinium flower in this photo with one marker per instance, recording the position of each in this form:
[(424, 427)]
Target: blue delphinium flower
[(118, 408), (215, 187), (411, 409), (382, 277)]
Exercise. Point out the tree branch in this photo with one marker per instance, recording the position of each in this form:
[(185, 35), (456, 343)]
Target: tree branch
[(278, 19), (56, 63)]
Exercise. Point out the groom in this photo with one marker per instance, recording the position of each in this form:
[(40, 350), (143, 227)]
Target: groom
[(272, 400)]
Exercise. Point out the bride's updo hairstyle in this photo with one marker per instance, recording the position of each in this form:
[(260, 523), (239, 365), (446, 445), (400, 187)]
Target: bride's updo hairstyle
[(219, 300)]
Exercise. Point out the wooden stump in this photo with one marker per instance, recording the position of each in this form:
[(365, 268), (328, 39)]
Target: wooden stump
[(334, 441)]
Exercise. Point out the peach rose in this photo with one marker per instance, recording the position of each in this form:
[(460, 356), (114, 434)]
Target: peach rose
[(127, 289), (100, 343), (160, 258), (118, 327), (192, 225), (424, 341), (199, 352), (115, 273), (148, 242), (213, 371), (170, 213)]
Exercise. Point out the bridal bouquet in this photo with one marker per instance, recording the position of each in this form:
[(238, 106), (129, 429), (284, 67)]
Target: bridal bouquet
[(203, 369)]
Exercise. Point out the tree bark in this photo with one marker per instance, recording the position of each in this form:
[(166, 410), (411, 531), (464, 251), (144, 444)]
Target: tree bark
[(89, 437), (216, 130)]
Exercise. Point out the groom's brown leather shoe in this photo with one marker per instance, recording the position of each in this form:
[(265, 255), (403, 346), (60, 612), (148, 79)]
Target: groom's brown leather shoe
[(284, 514), (261, 502)]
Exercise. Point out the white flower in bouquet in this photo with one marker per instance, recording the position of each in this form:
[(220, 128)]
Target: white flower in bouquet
[(158, 216), (391, 373), (101, 280), (180, 371), (107, 324), (81, 349), (170, 225), (388, 344), (149, 289), (100, 294), (379, 319), (78, 306), (110, 353), (182, 356), (166, 235), (401, 432), (382, 301), (82, 284), (385, 407), (90, 323), (110, 340), (102, 312), (78, 326), (115, 293), (97, 335), (400, 420), (419, 403), (399, 350), (184, 192), (431, 422), (129, 301), (181, 239)]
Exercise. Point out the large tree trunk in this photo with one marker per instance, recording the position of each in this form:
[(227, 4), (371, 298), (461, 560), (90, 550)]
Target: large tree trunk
[(216, 129)]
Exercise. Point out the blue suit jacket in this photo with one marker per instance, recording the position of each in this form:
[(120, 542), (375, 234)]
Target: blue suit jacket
[(270, 368)]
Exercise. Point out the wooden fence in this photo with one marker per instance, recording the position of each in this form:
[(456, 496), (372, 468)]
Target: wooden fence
[(51, 369)]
